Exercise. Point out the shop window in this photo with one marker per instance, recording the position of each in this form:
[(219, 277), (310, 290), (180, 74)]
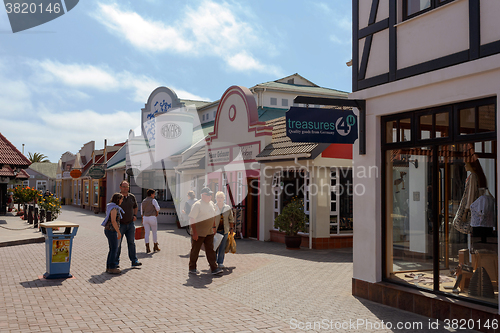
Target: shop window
[(398, 130), (486, 118), (41, 185), (442, 124), (274, 101), (86, 192), (96, 192), (467, 121), (477, 118), (425, 126), (412, 8)]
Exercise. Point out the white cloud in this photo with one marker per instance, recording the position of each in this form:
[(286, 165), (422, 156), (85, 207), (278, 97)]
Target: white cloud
[(100, 78), (244, 62), (211, 29), (153, 36), (79, 75), (57, 132)]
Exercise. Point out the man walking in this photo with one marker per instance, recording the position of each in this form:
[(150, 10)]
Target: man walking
[(202, 220), (127, 226)]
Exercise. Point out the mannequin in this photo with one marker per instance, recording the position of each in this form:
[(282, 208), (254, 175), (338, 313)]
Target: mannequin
[(461, 222)]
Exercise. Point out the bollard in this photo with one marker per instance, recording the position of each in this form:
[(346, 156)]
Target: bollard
[(35, 218), (30, 214), (48, 216)]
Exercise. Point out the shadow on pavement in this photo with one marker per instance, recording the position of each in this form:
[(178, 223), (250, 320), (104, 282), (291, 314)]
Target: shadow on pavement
[(103, 277), (250, 246), (41, 283)]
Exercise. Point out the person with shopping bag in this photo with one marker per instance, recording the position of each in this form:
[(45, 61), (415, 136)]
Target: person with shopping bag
[(149, 212), (225, 221), (202, 220)]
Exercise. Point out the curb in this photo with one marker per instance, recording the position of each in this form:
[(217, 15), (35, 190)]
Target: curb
[(23, 241)]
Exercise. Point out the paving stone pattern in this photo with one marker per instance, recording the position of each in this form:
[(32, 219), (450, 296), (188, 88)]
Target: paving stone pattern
[(265, 288)]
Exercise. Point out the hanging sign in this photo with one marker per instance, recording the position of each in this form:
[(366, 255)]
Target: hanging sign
[(97, 172), (321, 125), (75, 173)]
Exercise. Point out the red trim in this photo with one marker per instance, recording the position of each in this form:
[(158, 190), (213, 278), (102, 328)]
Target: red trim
[(338, 150), (251, 108)]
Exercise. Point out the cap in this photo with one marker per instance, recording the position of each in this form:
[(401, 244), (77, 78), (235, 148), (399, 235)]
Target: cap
[(207, 191)]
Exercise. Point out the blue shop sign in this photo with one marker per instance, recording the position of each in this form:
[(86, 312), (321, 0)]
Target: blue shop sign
[(321, 125)]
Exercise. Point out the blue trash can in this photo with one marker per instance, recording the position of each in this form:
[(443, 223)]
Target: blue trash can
[(58, 247)]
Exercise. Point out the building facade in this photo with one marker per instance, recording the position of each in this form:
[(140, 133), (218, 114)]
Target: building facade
[(429, 73)]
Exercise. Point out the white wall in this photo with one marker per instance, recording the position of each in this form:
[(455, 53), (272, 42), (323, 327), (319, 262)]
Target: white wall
[(438, 33)]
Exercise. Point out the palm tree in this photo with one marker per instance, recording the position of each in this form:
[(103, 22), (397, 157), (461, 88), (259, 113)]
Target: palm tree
[(38, 157)]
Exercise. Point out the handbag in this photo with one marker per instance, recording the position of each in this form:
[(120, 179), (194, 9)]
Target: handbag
[(140, 233)]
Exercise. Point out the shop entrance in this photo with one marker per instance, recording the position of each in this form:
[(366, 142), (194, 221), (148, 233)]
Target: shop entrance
[(252, 208)]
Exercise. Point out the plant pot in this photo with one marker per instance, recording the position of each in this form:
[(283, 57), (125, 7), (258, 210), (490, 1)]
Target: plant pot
[(293, 242)]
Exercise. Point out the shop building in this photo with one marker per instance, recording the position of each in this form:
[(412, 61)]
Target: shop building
[(12, 165), (429, 73), (42, 176)]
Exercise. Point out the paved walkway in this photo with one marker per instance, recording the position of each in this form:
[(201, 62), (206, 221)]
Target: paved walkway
[(265, 288)]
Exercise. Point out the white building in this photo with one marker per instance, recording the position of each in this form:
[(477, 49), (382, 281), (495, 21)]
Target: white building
[(429, 72)]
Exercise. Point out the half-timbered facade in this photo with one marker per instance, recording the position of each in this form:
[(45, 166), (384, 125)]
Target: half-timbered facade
[(429, 74)]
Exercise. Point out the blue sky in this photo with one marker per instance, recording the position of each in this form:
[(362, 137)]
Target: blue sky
[(86, 75)]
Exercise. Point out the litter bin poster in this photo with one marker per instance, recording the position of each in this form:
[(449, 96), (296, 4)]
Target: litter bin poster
[(60, 250)]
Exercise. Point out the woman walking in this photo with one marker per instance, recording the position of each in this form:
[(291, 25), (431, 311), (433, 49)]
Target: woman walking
[(149, 211), (112, 231), (225, 224)]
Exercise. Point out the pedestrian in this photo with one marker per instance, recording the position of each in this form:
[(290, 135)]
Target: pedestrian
[(225, 220), (47, 194), (189, 203), (187, 209), (149, 211), (202, 220), (127, 226), (112, 231)]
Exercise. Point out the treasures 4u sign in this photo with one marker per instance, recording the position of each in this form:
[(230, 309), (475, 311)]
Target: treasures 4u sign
[(321, 125)]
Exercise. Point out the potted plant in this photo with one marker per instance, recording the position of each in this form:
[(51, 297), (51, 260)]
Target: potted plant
[(292, 220)]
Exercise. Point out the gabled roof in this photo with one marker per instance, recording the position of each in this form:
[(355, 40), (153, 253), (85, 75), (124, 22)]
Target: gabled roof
[(47, 169), (281, 145), (197, 104), (300, 89), (7, 171), (10, 155)]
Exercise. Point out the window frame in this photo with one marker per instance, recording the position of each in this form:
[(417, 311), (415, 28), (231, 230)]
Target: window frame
[(434, 4)]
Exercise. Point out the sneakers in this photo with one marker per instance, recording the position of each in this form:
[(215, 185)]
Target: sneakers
[(113, 271), (137, 263), (194, 272), (221, 265), (217, 271)]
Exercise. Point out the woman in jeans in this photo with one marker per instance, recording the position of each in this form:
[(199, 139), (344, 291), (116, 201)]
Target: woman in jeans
[(225, 221), (112, 232)]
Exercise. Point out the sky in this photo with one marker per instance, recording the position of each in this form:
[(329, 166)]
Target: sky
[(86, 75)]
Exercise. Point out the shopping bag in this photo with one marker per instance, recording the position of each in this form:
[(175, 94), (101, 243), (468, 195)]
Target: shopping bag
[(140, 233), (217, 240), (231, 243)]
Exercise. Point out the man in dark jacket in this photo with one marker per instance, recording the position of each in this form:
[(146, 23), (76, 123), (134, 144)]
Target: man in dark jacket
[(127, 226)]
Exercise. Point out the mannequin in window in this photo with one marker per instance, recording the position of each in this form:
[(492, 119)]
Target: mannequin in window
[(476, 179), (483, 215)]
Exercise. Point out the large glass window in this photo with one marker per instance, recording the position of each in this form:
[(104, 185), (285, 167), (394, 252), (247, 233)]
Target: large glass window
[(440, 202)]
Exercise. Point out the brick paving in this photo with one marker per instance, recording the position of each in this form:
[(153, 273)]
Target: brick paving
[(265, 288)]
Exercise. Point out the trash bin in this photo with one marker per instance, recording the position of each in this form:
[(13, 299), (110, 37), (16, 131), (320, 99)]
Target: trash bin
[(58, 248)]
